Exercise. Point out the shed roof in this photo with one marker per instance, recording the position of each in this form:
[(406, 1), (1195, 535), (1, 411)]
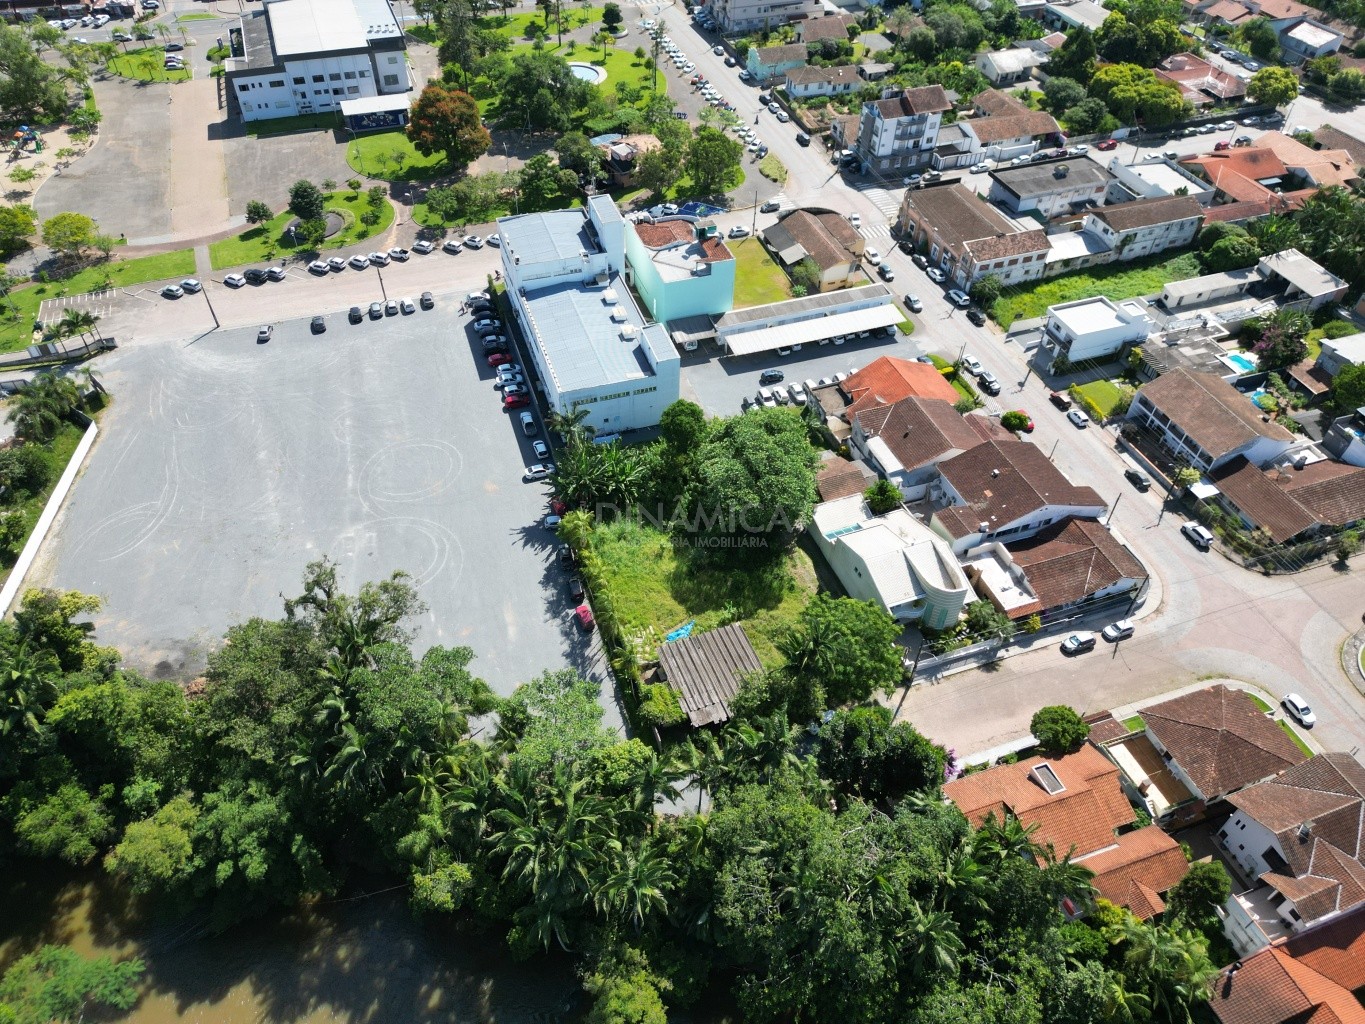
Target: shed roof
[(706, 669)]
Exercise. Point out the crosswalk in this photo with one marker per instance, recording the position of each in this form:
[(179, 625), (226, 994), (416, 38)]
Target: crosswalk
[(784, 202), (887, 202), (875, 232)]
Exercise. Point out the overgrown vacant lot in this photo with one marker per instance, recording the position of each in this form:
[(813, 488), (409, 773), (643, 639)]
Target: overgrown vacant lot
[(656, 587), (1115, 280)]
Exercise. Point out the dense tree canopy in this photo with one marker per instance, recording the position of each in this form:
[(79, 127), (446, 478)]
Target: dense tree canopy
[(446, 120), (1131, 91), (30, 89)]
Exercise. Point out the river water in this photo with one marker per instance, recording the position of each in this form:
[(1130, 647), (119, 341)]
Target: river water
[(360, 959)]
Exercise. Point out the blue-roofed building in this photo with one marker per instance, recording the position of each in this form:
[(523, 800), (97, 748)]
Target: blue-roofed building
[(592, 346)]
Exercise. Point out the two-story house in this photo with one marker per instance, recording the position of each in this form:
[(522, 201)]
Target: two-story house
[(1049, 188), (1202, 420), (967, 238), (1093, 328), (1303, 834), (769, 63), (900, 130), (738, 16), (1004, 491), (906, 440), (1146, 226)]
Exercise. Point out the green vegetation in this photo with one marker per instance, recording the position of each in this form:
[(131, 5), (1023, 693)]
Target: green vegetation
[(264, 241), (758, 278), (773, 169), (291, 125), (392, 157), (146, 65), (1134, 724), (1058, 729), (1298, 741), (1258, 702), (1118, 281), (197, 16), (50, 460), (1104, 395)]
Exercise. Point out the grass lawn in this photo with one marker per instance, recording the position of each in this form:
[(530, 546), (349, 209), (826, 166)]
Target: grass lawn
[(655, 590), (620, 65), (16, 332), (514, 26), (1289, 731), (290, 125), (1116, 280), (390, 156), (758, 280), (1134, 724), (56, 454), (146, 65), (772, 169), (1105, 394), (1258, 702), (254, 245), (197, 16)]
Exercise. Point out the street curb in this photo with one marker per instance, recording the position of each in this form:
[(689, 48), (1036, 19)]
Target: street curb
[(1349, 653)]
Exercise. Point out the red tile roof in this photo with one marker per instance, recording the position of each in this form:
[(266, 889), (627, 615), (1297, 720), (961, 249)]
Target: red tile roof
[(1072, 560), (1002, 247), (918, 430), (1214, 414), (831, 26), (665, 234), (838, 478), (1003, 481), (1332, 491), (887, 380), (1273, 987), (994, 103), (1134, 873), (926, 99), (1082, 817), (999, 127), (1142, 213), (1261, 501), (1220, 739), (1335, 949)]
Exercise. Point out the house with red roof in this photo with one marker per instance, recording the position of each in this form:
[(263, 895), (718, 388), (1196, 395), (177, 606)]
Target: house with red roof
[(1075, 803)]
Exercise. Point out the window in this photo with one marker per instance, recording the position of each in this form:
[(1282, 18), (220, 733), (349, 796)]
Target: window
[(393, 60), (244, 87), (338, 92), (298, 81), (335, 76), (319, 92), (277, 83), (282, 103), (353, 89), (246, 106), (390, 79), (350, 74), (317, 78), (364, 74)]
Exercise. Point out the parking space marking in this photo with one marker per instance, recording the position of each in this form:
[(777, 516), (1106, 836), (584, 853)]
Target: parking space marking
[(50, 311)]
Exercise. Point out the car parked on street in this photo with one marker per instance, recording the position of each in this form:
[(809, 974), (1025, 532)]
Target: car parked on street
[(885, 272), (539, 471), (1198, 534), (234, 280), (319, 267), (1140, 480), (264, 334), (976, 316), (376, 311), (359, 262), (336, 263), (914, 304), (1078, 643), (399, 254), (451, 246), (989, 383), (972, 365), (1060, 399), (406, 306), (473, 242), (959, 298), (1299, 710), (1078, 418), (427, 301), (422, 247), (1116, 631), (191, 286), (318, 325), (770, 377), (379, 259), (935, 275), (356, 315), (172, 291)]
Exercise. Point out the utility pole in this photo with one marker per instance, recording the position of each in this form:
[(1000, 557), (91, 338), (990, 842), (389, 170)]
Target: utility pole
[(754, 232), (1112, 508), (213, 314)]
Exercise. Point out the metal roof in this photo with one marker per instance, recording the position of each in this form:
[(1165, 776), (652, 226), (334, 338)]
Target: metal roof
[(377, 104), (800, 332), (805, 304), (706, 668)]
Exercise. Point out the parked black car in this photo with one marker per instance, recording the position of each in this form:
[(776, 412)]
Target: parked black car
[(356, 315), (1138, 479), (255, 276), (319, 325), (976, 316)]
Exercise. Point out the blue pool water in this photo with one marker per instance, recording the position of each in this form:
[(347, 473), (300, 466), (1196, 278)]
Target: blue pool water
[(1239, 362)]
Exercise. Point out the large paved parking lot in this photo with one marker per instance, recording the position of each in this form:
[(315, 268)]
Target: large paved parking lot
[(224, 466)]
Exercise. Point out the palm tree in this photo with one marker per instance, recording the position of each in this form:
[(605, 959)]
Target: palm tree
[(1171, 965), (40, 408), (999, 841), (602, 39), (26, 692), (930, 942), (962, 882), (570, 425), (1066, 880), (638, 888)]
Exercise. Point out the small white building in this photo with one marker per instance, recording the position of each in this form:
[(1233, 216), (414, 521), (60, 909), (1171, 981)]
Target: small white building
[(1007, 67), (592, 346), (1155, 178), (811, 80), (1094, 328), (311, 56), (893, 560), (1049, 188), (1339, 353)]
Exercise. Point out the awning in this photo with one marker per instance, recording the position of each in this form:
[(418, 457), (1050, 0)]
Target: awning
[(742, 343), (381, 104), (793, 253)]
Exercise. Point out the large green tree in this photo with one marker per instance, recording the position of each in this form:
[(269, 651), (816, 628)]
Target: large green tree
[(1131, 91), (56, 985), (446, 120), (713, 158), (844, 649), (17, 225), (536, 89), (30, 89), (306, 201), (69, 234), (1075, 58), (1273, 86)]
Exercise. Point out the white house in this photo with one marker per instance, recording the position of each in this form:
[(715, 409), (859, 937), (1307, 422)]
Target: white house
[(310, 56), (810, 80), (893, 560), (735, 16), (1093, 328), (1147, 226), (900, 130), (1154, 179), (1050, 187), (591, 344), (1006, 67), (1004, 491), (1203, 420), (1339, 353)]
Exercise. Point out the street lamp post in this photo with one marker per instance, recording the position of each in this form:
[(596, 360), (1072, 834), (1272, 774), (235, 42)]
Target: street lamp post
[(212, 312)]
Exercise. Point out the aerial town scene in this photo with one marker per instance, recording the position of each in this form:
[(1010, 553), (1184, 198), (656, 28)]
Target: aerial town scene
[(702, 511)]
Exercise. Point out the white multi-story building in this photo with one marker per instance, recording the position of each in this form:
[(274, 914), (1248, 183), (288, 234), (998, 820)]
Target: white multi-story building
[(592, 347), (750, 15), (312, 56), (900, 130)]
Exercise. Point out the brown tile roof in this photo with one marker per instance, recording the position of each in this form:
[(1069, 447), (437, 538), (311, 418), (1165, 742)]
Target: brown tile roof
[(1002, 481), (1332, 491), (706, 669), (1235, 213), (1329, 137), (1072, 560), (1214, 414), (1274, 987), (988, 428), (1324, 166), (810, 74), (839, 478), (1081, 818), (1310, 376), (918, 430), (668, 233), (887, 379), (1142, 213), (1335, 949), (770, 56), (1004, 246), (994, 103), (1011, 126), (926, 99), (1105, 727), (845, 126), (1261, 501), (815, 233), (831, 26), (956, 213), (1135, 872), (1327, 794), (1220, 739)]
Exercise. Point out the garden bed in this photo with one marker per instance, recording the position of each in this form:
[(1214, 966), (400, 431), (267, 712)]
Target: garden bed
[(265, 241), (147, 64)]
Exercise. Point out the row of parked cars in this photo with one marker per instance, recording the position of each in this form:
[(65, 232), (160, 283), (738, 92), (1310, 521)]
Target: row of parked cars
[(771, 393)]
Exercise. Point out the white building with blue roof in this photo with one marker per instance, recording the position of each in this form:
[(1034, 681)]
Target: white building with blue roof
[(592, 346)]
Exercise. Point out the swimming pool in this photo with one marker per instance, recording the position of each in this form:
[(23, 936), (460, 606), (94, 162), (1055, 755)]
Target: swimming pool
[(1237, 362)]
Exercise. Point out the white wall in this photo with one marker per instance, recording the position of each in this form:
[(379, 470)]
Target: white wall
[(280, 94), (1246, 840)]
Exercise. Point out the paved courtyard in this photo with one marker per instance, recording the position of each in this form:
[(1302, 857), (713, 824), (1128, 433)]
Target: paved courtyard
[(225, 466)]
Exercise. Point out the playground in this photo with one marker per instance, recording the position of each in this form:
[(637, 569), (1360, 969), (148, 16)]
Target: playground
[(33, 155)]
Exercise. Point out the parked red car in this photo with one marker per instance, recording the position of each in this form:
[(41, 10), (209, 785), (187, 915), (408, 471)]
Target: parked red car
[(1107, 145), (498, 358), (1027, 428), (584, 616), (516, 401)]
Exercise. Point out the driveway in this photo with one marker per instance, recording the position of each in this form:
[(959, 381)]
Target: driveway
[(224, 466), (124, 180)]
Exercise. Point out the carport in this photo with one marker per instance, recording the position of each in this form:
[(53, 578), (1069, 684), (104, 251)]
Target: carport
[(375, 113), (817, 328)]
